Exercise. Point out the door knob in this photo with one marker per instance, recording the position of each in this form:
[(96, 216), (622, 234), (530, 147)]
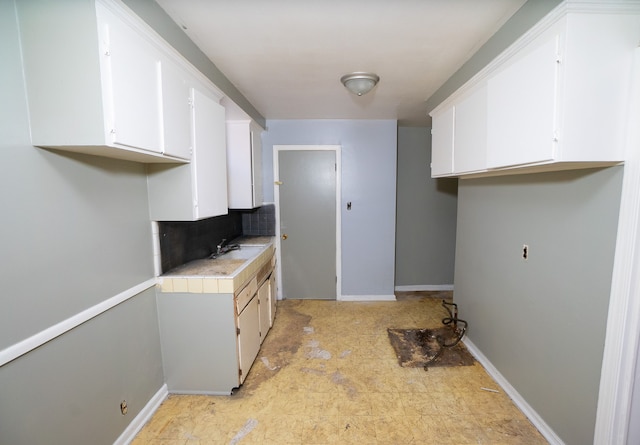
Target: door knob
[(284, 236)]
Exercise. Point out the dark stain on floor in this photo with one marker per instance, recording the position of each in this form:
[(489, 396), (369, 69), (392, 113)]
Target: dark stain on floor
[(416, 348), (281, 344)]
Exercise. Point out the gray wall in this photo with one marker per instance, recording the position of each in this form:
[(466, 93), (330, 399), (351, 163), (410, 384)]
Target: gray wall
[(75, 232), (425, 215), (368, 181), (541, 322)]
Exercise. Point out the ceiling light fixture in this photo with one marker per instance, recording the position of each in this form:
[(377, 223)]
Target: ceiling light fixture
[(359, 83)]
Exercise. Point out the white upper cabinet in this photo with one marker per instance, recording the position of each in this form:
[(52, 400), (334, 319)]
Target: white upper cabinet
[(556, 99), (460, 135), (130, 78), (100, 81), (522, 108), (197, 190), (209, 151), (470, 132), (244, 162), (176, 111), (442, 138)]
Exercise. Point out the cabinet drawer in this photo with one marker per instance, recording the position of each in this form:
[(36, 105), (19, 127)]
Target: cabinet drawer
[(244, 296), (264, 272)]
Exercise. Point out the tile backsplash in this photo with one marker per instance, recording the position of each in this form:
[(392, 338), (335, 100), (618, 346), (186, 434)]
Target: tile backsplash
[(260, 222), (181, 242)]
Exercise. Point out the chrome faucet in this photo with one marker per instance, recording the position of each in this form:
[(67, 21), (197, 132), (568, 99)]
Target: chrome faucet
[(220, 246)]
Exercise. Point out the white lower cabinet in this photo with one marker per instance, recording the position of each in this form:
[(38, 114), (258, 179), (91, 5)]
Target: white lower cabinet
[(264, 301), (198, 190), (248, 336), (210, 341), (273, 297)]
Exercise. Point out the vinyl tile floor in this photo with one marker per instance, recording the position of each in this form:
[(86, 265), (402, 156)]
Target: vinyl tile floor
[(327, 374)]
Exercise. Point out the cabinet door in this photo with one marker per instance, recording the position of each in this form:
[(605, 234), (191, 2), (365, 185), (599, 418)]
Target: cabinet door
[(176, 111), (265, 310), (244, 160), (442, 143), (249, 337), (132, 96), (209, 156), (273, 297), (256, 165), (522, 107), (470, 132)]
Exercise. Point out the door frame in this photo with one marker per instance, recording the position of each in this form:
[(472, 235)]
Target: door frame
[(276, 194)]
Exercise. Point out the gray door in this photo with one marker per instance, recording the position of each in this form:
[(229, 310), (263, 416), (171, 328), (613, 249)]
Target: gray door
[(308, 223)]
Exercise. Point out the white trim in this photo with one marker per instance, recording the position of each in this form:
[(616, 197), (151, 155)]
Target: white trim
[(515, 396), (143, 417), (367, 298), (22, 347), (424, 287), (276, 194), (623, 322)]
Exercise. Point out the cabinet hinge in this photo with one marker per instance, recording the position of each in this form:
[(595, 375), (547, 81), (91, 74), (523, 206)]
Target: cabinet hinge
[(237, 331), (335, 166), (240, 372)]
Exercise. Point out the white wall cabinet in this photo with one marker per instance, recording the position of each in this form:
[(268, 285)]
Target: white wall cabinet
[(470, 132), (190, 192), (176, 111), (521, 114), (130, 84), (100, 81), (442, 142), (460, 135), (536, 107), (244, 161)]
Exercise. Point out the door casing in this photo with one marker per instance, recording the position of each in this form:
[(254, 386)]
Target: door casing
[(276, 194)]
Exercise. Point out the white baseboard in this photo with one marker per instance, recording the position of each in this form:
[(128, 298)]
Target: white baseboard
[(520, 402), (367, 298), (424, 287), (143, 417)]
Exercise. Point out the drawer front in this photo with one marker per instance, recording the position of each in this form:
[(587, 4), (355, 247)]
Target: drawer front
[(244, 296), (264, 271)]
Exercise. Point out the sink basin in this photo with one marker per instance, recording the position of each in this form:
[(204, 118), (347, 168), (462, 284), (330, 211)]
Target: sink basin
[(243, 253)]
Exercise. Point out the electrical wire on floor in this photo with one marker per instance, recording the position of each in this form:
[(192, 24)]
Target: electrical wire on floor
[(452, 320)]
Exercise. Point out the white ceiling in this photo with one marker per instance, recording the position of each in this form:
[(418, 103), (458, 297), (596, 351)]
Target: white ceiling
[(287, 56)]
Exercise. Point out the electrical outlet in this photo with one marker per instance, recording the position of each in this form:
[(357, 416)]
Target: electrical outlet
[(525, 252), (123, 407)]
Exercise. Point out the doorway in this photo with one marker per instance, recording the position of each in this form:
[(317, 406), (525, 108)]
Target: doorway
[(306, 191)]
